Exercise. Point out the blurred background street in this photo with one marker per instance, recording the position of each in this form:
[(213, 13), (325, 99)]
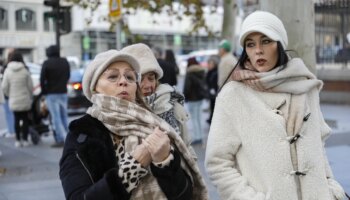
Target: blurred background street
[(318, 32), (32, 173)]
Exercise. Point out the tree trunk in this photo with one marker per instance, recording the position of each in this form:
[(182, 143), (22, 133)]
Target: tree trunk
[(229, 19), (298, 17)]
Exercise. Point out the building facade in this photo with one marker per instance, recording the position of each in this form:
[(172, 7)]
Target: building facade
[(25, 26)]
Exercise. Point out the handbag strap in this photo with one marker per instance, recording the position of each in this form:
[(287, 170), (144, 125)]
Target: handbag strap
[(347, 195)]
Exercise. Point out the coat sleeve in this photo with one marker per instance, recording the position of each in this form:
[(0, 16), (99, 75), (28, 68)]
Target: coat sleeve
[(220, 161), (187, 86), (5, 86), (334, 186), (78, 183), (43, 79), (173, 180), (68, 70)]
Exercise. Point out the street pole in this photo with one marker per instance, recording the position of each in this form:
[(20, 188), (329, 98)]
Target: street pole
[(55, 5), (115, 14), (118, 37), (57, 13)]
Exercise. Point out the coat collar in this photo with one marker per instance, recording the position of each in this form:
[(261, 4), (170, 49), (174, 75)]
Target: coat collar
[(273, 100)]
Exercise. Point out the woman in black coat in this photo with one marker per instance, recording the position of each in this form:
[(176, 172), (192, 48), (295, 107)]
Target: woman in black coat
[(212, 83), (121, 150), (195, 92)]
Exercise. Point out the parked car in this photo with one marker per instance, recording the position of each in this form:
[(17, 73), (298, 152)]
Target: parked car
[(201, 56), (77, 102)]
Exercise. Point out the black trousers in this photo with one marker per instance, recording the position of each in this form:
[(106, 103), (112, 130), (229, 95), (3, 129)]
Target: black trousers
[(21, 128)]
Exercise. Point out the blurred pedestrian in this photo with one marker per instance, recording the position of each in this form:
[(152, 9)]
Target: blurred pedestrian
[(267, 136), (54, 78), (170, 57), (227, 61), (212, 83), (10, 119), (18, 86), (195, 92), (120, 149), (163, 99), (2, 98), (169, 75)]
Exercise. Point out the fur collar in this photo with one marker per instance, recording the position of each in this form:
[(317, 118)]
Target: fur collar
[(91, 126)]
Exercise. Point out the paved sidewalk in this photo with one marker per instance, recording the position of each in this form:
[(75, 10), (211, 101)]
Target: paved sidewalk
[(32, 173)]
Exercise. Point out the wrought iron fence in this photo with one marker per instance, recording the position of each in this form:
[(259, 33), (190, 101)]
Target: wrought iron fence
[(332, 27)]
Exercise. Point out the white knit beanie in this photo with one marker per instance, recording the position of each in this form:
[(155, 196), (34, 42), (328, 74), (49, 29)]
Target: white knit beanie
[(100, 63), (265, 23), (146, 58)]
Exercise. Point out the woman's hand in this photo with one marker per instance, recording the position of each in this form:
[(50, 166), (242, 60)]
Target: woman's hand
[(158, 144), (142, 155)]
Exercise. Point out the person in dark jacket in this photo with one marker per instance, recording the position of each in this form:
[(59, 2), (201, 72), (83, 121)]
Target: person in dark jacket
[(170, 57), (54, 78), (168, 68), (212, 83), (120, 150), (195, 92)]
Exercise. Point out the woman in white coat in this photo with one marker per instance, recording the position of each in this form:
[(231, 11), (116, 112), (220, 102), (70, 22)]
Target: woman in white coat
[(18, 86), (266, 140)]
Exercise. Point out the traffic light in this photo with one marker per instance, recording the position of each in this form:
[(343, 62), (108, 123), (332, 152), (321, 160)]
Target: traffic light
[(52, 3), (61, 15), (64, 19)]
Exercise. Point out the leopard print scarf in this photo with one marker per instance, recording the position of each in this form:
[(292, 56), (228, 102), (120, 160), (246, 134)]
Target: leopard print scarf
[(131, 121)]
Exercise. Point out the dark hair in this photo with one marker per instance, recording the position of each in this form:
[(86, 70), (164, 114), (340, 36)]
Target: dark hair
[(282, 60), (16, 56), (169, 56), (192, 61), (282, 57)]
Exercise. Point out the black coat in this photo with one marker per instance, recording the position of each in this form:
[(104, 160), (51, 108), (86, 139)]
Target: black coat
[(89, 167), (195, 88), (212, 82), (55, 73)]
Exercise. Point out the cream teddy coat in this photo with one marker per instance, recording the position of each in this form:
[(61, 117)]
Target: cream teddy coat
[(17, 84), (248, 155)]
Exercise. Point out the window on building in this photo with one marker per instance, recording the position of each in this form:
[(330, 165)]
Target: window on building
[(49, 22), (3, 19), (25, 20)]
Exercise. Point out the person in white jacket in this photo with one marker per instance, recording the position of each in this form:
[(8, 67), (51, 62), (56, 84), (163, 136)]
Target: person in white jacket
[(267, 136), (17, 85)]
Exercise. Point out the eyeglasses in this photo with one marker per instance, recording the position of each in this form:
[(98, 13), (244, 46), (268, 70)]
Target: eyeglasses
[(114, 75)]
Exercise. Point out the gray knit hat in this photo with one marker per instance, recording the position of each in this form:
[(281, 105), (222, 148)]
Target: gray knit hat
[(100, 63), (265, 23), (146, 58)]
